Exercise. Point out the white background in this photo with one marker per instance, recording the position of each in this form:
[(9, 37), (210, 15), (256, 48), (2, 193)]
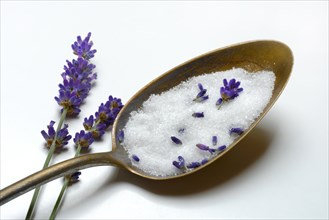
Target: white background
[(280, 171)]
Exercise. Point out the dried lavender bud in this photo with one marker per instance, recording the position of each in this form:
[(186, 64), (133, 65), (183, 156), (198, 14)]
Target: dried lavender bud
[(198, 115), (176, 140), (193, 165), (221, 148), (121, 136), (180, 164), (214, 140), (238, 131), (135, 158), (204, 161), (202, 147)]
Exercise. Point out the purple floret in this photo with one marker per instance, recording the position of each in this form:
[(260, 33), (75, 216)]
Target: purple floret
[(84, 139), (82, 48), (62, 139)]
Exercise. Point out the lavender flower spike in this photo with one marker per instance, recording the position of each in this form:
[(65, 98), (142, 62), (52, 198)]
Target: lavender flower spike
[(104, 117), (176, 140)]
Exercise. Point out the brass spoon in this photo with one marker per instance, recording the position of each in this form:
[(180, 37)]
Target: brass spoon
[(252, 56)]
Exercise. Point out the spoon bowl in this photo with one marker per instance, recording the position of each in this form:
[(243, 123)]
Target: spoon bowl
[(252, 56)]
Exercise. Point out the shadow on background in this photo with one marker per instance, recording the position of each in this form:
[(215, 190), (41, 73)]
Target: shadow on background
[(230, 165)]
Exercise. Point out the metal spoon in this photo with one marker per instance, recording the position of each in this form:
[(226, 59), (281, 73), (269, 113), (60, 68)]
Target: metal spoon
[(252, 56)]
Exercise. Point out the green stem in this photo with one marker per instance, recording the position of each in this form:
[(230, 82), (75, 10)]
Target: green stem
[(46, 164), (64, 187)]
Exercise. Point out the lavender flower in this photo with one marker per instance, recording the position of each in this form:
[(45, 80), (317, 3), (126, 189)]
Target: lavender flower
[(135, 158), (84, 139), (237, 131), (62, 139), (121, 136), (82, 48), (176, 140), (180, 164), (181, 130), (201, 95), (198, 115), (104, 117), (230, 91), (77, 77)]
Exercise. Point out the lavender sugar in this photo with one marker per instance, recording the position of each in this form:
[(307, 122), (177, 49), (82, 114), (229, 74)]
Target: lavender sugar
[(188, 125)]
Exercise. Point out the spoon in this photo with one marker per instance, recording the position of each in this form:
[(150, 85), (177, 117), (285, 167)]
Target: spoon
[(251, 56)]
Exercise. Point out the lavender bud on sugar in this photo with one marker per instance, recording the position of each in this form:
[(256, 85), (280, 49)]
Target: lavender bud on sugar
[(214, 140), (201, 95), (121, 136), (221, 148), (198, 115), (176, 140), (204, 161), (193, 165), (237, 131), (202, 147), (135, 158), (181, 130), (180, 164)]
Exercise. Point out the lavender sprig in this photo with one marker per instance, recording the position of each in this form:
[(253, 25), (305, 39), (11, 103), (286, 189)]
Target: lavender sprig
[(229, 91), (77, 78), (95, 127)]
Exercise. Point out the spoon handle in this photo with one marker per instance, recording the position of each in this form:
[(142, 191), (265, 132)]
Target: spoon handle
[(56, 171)]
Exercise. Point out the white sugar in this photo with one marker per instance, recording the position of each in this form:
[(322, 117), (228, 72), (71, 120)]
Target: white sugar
[(148, 131)]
